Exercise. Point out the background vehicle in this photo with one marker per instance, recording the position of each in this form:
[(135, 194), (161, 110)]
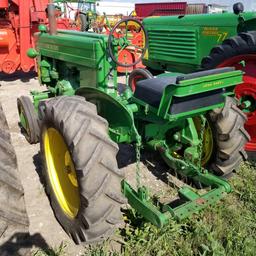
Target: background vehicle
[(19, 20)]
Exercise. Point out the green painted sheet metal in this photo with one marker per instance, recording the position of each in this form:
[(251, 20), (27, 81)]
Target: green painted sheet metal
[(226, 81), (83, 52), (115, 111), (73, 47), (207, 83), (179, 43), (217, 19)]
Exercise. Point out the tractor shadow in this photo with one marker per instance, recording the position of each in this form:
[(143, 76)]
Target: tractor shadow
[(20, 244), (23, 77), (126, 156), (151, 160), (37, 161)]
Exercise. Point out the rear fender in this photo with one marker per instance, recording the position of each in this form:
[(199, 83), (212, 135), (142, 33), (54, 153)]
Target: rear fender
[(120, 119), (245, 26)]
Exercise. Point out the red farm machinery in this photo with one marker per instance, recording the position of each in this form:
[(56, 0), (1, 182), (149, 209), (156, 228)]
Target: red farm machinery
[(19, 20)]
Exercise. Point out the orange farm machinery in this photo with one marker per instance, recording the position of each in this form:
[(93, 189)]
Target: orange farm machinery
[(19, 20)]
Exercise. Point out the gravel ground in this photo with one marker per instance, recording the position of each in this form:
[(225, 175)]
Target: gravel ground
[(45, 231)]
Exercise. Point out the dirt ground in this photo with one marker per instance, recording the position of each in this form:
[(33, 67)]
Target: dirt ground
[(43, 224)]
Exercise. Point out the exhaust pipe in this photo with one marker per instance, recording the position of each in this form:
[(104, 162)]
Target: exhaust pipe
[(52, 18)]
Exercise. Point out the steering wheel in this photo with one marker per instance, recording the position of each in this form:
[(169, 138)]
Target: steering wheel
[(128, 35)]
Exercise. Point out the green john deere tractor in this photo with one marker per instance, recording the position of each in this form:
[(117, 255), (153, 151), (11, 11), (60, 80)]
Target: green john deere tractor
[(191, 120), (192, 43)]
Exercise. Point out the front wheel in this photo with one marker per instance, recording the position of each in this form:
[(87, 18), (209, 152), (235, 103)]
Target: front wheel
[(28, 119), (81, 176)]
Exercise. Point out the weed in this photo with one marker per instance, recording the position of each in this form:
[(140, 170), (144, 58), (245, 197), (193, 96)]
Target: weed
[(227, 228), (60, 251)]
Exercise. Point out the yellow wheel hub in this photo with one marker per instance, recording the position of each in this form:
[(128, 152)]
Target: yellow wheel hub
[(61, 172), (207, 141)]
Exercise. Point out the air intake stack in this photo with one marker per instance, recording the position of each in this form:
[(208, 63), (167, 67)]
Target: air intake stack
[(52, 19)]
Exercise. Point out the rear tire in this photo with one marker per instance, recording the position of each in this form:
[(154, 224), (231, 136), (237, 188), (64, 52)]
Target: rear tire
[(231, 53), (230, 138), (94, 157), (13, 215), (242, 44)]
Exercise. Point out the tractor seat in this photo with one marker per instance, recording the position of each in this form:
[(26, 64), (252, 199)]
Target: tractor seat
[(204, 73), (151, 90)]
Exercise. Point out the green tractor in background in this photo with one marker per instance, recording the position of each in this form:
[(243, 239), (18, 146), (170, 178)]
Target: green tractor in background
[(192, 43), (86, 14), (191, 120)]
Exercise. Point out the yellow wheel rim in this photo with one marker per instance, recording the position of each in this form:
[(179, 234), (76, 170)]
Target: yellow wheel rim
[(207, 141), (61, 172)]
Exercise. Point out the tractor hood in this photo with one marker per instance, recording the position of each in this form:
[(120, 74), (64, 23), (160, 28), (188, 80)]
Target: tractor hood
[(216, 20)]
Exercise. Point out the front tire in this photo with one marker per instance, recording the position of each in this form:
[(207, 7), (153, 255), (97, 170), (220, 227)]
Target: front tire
[(92, 177), (28, 120)]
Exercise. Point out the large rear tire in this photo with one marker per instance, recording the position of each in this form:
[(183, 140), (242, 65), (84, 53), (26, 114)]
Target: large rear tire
[(230, 137), (78, 153), (223, 140), (240, 52), (240, 45), (13, 215)]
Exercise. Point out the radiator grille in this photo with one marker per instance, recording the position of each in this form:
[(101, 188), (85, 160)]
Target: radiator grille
[(172, 44)]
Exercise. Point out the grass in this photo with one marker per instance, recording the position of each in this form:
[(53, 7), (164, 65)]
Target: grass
[(60, 251), (229, 228)]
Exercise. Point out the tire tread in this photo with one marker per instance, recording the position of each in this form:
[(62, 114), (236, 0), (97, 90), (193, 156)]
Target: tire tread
[(13, 215), (86, 135)]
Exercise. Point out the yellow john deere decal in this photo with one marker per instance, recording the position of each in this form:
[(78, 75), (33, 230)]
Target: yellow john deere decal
[(213, 84), (214, 31)]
